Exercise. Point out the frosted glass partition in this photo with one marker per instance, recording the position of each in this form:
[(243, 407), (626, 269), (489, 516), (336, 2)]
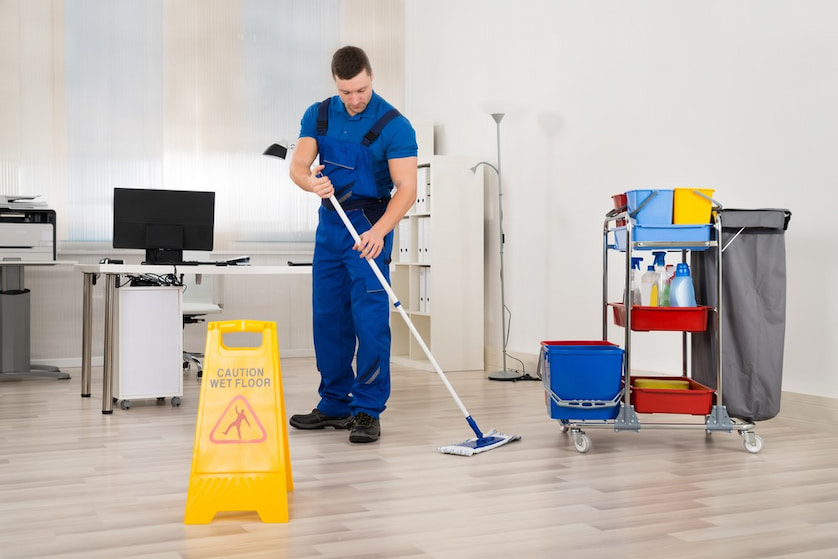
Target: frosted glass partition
[(162, 94)]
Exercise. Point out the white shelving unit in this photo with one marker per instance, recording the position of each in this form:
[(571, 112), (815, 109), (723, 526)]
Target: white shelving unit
[(437, 268)]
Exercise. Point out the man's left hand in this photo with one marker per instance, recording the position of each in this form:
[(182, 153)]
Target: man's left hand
[(371, 244)]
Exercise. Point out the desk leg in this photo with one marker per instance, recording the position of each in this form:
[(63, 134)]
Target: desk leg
[(86, 334), (107, 369)]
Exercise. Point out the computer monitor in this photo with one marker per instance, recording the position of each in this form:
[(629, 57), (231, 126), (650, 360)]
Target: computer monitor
[(163, 222)]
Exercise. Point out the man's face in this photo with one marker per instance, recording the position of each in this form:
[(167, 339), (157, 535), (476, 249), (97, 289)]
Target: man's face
[(355, 92)]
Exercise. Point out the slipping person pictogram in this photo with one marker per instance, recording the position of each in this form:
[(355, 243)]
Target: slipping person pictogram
[(237, 423), (238, 411)]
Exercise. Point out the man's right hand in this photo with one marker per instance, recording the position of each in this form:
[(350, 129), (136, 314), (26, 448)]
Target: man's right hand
[(319, 183)]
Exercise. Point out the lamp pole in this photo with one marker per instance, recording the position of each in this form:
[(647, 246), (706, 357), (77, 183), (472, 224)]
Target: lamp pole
[(503, 374)]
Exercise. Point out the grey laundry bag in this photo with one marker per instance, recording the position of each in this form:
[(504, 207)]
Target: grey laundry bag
[(753, 312)]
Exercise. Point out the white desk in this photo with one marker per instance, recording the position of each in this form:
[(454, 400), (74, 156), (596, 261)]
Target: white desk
[(15, 331), (111, 272)]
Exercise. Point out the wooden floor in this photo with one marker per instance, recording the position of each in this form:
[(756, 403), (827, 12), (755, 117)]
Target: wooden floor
[(76, 483)]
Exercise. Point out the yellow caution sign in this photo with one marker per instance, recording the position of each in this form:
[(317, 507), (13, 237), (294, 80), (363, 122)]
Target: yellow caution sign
[(240, 459)]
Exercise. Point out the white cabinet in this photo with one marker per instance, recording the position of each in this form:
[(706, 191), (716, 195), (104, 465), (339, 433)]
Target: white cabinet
[(437, 268), (148, 354)]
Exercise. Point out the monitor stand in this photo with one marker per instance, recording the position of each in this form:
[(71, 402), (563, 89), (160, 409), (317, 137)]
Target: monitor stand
[(163, 256)]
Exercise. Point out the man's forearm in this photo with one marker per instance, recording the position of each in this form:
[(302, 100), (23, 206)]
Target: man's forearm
[(300, 175)]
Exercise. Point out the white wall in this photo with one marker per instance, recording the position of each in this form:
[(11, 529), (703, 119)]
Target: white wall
[(605, 96)]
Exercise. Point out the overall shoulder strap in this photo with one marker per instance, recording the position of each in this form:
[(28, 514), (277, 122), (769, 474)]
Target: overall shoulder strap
[(376, 129), (323, 116)]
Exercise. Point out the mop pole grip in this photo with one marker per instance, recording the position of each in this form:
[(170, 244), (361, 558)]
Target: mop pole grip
[(398, 305)]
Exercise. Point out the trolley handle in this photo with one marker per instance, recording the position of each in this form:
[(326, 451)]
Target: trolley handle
[(617, 211)]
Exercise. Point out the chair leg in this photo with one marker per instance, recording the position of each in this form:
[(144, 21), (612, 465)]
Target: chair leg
[(194, 359)]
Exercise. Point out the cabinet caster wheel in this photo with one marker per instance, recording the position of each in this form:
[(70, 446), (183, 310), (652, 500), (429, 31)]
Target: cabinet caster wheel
[(125, 405), (175, 402), (582, 442), (753, 442)]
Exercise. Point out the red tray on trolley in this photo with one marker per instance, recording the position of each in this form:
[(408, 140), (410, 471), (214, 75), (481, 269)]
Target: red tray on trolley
[(645, 319), (697, 400)]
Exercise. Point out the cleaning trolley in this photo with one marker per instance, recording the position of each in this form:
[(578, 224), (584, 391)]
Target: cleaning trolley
[(590, 384)]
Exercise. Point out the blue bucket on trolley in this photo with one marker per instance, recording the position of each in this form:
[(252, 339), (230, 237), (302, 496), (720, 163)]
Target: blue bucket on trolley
[(650, 207), (582, 379)]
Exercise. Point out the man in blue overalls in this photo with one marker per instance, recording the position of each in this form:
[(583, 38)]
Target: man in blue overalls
[(366, 148)]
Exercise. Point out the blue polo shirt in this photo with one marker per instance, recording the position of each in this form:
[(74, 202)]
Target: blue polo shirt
[(397, 140)]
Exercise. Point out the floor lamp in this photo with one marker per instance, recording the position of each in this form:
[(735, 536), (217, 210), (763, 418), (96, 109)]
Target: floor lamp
[(504, 374)]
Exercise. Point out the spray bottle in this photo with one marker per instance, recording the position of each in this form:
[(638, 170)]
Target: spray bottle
[(648, 287), (636, 297), (661, 280), (668, 274)]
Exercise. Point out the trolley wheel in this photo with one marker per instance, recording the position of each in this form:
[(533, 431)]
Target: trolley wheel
[(175, 402), (563, 426), (582, 442), (753, 442), (125, 404)]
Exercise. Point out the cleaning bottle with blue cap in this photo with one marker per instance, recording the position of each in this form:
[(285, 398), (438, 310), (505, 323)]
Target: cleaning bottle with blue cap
[(682, 291)]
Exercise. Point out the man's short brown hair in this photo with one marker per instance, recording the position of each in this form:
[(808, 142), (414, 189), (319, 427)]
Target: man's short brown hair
[(348, 62)]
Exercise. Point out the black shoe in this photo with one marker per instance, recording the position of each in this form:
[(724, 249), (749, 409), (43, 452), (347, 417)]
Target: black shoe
[(318, 420), (365, 429)]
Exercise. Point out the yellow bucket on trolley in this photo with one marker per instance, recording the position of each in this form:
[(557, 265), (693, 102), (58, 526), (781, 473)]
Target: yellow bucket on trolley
[(240, 458), (692, 206)]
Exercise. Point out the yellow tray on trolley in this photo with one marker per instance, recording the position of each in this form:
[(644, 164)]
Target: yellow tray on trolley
[(665, 384)]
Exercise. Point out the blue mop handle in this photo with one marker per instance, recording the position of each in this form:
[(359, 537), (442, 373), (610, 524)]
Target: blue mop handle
[(473, 425), (398, 305)]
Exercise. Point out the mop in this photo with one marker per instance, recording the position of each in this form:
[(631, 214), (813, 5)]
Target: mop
[(482, 442)]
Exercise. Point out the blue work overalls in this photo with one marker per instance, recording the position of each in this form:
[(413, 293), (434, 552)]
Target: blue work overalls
[(349, 302)]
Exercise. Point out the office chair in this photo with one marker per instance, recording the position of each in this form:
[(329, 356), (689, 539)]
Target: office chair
[(201, 296)]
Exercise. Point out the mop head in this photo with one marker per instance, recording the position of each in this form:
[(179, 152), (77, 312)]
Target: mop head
[(490, 440)]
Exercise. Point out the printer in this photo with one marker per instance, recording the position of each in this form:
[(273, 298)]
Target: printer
[(27, 230)]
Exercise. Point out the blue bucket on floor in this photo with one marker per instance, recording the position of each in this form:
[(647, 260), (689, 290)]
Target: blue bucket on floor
[(582, 379)]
